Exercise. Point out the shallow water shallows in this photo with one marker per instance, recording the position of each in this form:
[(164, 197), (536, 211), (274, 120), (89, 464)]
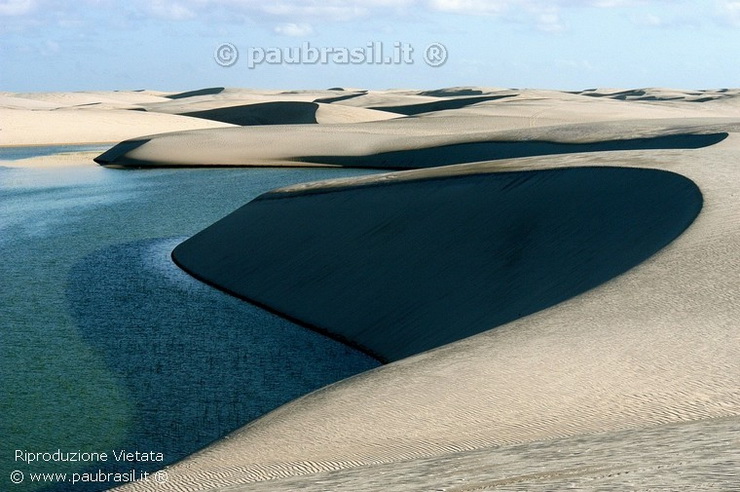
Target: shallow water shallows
[(107, 345), (23, 152)]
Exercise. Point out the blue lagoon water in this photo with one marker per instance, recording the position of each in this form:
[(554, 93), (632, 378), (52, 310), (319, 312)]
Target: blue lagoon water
[(23, 152), (106, 345)]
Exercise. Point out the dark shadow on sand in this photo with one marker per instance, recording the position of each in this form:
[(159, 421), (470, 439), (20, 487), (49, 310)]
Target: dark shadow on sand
[(447, 155), (401, 268), (343, 97), (200, 92), (268, 113), (119, 151), (444, 105)]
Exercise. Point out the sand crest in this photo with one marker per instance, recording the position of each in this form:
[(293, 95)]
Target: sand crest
[(56, 126), (405, 143)]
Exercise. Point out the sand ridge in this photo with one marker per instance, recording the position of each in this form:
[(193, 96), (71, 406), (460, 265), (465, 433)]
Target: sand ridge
[(369, 123), (84, 118), (294, 145)]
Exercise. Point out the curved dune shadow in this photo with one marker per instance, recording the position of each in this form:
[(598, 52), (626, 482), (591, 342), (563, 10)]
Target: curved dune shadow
[(210, 91), (443, 105), (401, 268), (343, 97), (267, 113), (196, 363), (414, 158), (119, 151), (446, 155)]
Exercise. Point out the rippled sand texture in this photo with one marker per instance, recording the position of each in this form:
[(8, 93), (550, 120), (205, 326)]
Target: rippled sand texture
[(632, 384)]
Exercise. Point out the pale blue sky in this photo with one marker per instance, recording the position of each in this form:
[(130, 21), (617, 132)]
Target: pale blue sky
[(50, 45)]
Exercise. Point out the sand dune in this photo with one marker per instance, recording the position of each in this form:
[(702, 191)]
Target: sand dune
[(289, 112), (501, 119), (85, 117), (543, 108), (398, 269), (619, 381), (343, 96), (453, 91), (67, 126), (663, 95), (562, 316), (440, 105), (98, 99), (218, 97), (266, 108), (199, 92), (404, 143), (269, 113)]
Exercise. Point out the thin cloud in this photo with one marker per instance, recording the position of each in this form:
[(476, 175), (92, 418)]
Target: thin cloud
[(16, 7), (171, 10), (729, 13), (290, 17), (294, 30)]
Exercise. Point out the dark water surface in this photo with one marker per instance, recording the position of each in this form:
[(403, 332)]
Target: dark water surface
[(106, 345)]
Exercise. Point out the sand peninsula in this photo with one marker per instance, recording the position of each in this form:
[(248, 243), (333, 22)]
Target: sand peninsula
[(552, 279)]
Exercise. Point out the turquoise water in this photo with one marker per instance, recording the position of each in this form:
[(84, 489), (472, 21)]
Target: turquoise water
[(106, 345)]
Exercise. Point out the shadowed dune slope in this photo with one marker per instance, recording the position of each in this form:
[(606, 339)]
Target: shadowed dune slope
[(662, 95), (109, 156), (257, 109), (442, 105), (199, 92), (268, 113), (403, 268), (343, 97), (446, 155), (452, 91)]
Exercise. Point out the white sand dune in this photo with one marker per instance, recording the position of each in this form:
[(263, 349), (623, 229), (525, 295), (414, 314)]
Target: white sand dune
[(663, 94), (289, 112), (608, 372), (82, 126), (223, 97), (445, 119), (630, 385), (13, 101), (414, 264), (544, 108), (268, 107), (378, 144), (106, 99)]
